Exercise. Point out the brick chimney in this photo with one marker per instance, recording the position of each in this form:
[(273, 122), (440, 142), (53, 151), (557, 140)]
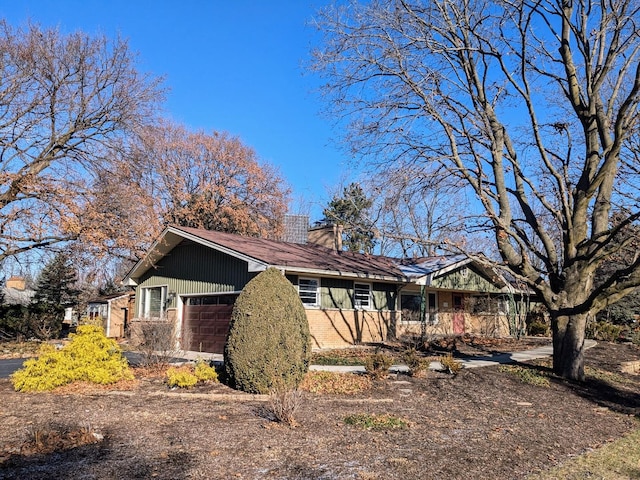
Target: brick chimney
[(16, 283), (329, 236)]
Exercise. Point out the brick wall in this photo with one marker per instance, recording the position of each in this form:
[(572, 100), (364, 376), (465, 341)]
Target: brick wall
[(334, 328)]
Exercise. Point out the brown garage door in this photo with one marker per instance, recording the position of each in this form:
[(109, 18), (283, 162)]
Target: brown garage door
[(206, 322)]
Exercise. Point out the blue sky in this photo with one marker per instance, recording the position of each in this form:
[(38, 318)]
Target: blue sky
[(234, 65)]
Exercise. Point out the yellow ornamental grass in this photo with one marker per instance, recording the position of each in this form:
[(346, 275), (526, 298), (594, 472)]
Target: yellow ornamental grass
[(90, 356)]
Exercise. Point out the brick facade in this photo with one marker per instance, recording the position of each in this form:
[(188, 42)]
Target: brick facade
[(335, 328)]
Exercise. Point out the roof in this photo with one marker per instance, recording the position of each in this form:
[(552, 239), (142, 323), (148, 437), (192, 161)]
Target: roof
[(420, 267), (296, 258), (14, 296), (261, 253), (110, 297)]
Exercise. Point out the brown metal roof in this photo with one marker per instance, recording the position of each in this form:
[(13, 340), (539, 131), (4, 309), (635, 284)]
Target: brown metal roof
[(301, 257)]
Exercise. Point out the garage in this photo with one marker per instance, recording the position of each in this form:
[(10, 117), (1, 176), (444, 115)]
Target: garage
[(206, 322)]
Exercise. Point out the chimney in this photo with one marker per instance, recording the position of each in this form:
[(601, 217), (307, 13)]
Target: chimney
[(337, 237), (329, 236), (295, 228), (16, 283)]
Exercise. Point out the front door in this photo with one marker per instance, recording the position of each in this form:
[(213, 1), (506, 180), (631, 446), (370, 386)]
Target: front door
[(458, 314)]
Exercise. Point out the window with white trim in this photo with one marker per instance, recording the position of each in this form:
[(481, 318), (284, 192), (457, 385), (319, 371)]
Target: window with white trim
[(153, 301), (362, 295), (309, 291)]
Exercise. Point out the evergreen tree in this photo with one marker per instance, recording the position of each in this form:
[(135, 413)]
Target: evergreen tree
[(269, 345), (351, 211), (56, 283), (55, 291)]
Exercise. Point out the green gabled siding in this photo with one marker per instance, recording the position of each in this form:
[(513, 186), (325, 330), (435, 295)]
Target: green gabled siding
[(191, 268), (470, 281)]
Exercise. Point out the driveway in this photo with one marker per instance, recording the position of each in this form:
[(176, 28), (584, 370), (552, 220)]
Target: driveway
[(10, 365)]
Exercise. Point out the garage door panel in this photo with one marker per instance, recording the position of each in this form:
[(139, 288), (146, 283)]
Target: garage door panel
[(207, 324)]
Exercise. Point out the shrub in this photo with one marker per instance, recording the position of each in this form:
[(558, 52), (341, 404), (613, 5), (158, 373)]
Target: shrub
[(205, 372), (90, 356), (182, 377), (44, 439), (450, 364), (378, 364), (635, 336), (526, 375), (538, 329), (96, 321), (335, 383), (268, 347), (158, 341), (418, 365), (603, 331), (188, 376), (283, 405)]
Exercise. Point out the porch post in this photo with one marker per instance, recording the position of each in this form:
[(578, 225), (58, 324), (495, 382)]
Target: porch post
[(423, 313)]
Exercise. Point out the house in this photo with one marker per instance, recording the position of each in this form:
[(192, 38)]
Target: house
[(192, 277), (15, 291), (112, 311)]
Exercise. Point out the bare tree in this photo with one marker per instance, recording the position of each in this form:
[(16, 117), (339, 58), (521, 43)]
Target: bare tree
[(64, 100), (417, 217), (534, 105)]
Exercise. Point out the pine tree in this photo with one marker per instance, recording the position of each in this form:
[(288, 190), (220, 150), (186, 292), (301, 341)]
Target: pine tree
[(55, 291), (351, 210), (56, 283)]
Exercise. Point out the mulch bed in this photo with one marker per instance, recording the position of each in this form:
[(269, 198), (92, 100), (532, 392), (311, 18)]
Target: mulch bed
[(482, 423)]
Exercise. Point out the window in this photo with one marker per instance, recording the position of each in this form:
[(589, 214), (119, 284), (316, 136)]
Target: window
[(225, 299), (362, 295), (308, 291), (153, 301), (410, 305), (432, 309)]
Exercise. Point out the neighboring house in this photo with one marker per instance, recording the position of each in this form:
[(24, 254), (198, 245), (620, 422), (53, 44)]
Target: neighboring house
[(15, 292), (192, 277), (112, 311)]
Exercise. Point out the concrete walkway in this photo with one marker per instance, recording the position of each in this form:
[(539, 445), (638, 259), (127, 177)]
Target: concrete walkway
[(468, 362)]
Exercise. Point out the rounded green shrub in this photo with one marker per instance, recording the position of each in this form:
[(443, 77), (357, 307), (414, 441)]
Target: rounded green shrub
[(90, 356), (268, 347)]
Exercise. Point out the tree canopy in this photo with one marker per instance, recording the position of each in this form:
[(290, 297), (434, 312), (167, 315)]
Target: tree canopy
[(56, 284), (533, 106), (65, 103), (209, 180), (86, 162)]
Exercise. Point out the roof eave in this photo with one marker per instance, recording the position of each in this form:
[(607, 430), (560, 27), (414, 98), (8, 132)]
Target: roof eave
[(338, 273)]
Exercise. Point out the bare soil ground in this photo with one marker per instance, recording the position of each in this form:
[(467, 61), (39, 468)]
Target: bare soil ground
[(482, 423)]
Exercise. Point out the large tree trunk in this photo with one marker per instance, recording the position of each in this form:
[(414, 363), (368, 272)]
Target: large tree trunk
[(568, 345)]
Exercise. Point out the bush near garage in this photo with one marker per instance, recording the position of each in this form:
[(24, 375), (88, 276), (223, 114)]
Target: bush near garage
[(90, 356), (268, 347)]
